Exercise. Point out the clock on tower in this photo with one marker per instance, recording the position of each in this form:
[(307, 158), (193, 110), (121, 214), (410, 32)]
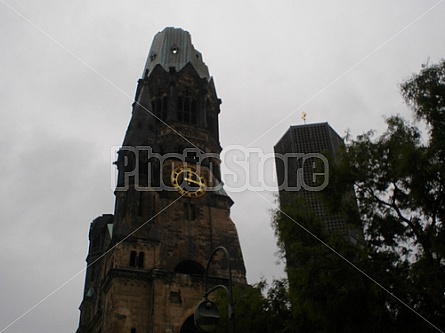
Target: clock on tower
[(146, 262)]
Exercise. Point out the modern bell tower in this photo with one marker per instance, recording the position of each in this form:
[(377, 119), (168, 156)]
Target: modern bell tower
[(146, 262)]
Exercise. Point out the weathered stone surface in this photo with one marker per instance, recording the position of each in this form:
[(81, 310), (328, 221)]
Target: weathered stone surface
[(146, 262)]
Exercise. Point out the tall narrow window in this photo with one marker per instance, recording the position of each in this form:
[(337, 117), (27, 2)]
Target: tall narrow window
[(133, 256), (159, 104), (180, 108), (137, 259), (187, 110), (164, 107), (193, 112), (141, 260)]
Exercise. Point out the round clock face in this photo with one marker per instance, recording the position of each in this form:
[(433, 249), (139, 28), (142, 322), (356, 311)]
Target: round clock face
[(188, 182)]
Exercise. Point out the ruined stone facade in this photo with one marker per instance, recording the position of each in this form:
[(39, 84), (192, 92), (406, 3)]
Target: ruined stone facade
[(146, 263)]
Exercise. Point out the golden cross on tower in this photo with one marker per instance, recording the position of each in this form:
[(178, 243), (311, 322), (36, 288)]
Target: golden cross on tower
[(303, 116)]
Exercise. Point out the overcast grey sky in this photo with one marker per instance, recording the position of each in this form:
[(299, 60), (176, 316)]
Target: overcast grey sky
[(68, 76)]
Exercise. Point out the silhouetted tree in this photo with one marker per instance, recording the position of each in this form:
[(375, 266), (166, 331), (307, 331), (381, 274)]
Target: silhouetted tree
[(399, 182)]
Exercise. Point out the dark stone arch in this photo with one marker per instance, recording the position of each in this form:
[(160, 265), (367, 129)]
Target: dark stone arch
[(189, 326), (189, 267)]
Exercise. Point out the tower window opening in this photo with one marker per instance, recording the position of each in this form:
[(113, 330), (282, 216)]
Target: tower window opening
[(133, 256), (137, 259), (187, 112), (159, 104), (141, 260)]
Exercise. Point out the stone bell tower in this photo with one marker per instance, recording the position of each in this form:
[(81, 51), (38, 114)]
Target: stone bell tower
[(145, 264)]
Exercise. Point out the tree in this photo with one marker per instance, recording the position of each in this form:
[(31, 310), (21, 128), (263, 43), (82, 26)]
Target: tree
[(326, 291), (399, 182), (257, 308)]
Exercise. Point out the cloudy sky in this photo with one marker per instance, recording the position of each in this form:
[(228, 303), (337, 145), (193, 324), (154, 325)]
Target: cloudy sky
[(68, 76)]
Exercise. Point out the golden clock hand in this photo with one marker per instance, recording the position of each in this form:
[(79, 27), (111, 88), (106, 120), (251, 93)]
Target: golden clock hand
[(192, 179)]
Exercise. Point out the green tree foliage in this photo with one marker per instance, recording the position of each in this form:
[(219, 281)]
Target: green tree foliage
[(399, 182), (257, 308), (327, 293), (399, 179)]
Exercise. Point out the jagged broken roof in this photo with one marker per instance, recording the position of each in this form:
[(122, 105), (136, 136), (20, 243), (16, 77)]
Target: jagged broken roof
[(172, 47)]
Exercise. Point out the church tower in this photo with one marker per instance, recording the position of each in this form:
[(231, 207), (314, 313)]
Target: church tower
[(146, 263)]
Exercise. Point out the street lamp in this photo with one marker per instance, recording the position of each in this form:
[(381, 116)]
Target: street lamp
[(206, 313)]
